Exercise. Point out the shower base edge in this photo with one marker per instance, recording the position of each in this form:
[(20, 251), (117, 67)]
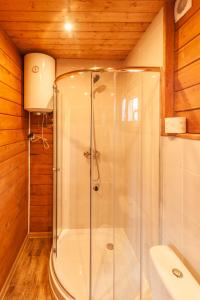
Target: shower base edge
[(57, 290)]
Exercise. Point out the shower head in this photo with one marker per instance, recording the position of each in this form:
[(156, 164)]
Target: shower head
[(99, 89)]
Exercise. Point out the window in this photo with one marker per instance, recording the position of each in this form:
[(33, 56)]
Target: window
[(133, 110)]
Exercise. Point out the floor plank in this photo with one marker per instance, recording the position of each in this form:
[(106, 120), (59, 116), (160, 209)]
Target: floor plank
[(30, 280)]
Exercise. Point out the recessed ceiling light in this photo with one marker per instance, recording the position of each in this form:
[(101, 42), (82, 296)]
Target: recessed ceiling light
[(95, 68), (68, 26), (135, 70)]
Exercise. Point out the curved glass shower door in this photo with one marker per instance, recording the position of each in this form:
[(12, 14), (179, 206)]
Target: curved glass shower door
[(107, 191), (124, 183), (72, 220)]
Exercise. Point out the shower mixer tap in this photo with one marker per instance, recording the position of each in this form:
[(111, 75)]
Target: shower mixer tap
[(95, 154)]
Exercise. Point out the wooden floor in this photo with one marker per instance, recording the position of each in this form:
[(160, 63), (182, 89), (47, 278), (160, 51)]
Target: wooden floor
[(30, 280)]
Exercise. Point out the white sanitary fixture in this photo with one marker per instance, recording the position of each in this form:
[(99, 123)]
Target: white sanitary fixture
[(170, 279)]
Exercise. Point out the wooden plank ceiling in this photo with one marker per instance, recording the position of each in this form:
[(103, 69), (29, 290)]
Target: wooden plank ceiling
[(103, 29)]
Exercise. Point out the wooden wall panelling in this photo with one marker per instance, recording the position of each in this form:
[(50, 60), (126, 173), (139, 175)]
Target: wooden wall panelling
[(11, 80), (10, 49), (8, 93), (187, 76), (13, 157), (187, 31), (167, 84), (13, 122), (187, 99), (10, 108), (188, 53), (14, 162), (193, 120), (41, 208), (187, 70), (12, 136), (10, 150)]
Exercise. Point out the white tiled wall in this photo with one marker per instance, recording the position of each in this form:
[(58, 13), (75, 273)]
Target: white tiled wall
[(181, 198)]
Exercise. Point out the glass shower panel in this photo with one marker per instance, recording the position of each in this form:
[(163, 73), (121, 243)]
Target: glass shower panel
[(150, 133), (102, 168), (73, 184), (136, 184), (127, 186)]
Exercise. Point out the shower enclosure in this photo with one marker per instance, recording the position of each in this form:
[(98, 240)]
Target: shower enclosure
[(106, 183)]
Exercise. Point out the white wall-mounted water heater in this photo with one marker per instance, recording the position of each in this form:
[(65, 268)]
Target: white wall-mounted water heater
[(39, 75)]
